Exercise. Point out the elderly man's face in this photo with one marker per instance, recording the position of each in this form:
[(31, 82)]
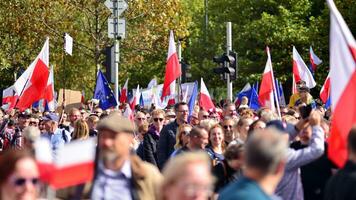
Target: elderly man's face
[(113, 145)]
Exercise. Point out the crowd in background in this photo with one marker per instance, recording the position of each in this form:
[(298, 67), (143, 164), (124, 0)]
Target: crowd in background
[(230, 152)]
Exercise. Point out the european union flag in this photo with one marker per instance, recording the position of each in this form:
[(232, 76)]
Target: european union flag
[(192, 99), (104, 93)]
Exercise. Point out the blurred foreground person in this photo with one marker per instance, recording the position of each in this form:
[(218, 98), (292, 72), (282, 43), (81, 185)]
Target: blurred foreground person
[(265, 160), (119, 173), (342, 185), (187, 177), (19, 176)]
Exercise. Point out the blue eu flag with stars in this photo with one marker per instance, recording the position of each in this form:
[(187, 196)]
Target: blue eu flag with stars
[(104, 93)]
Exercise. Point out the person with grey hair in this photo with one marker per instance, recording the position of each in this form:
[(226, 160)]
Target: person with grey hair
[(265, 158)]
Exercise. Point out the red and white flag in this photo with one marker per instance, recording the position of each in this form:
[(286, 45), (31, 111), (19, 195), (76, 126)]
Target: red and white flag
[(173, 70), (136, 98), (301, 71), (49, 92), (9, 98), (83, 97), (314, 59), (325, 90), (343, 85), (205, 101), (32, 83), (123, 93), (73, 164), (265, 95)]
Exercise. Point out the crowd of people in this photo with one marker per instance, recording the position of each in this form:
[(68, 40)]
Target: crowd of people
[(229, 152)]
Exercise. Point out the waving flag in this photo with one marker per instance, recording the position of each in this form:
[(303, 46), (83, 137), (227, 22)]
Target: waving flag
[(49, 92), (251, 94), (31, 85), (343, 84), (123, 93), (136, 98), (325, 90), (314, 60), (173, 70), (192, 99), (104, 93), (9, 98), (205, 101), (301, 71), (152, 83)]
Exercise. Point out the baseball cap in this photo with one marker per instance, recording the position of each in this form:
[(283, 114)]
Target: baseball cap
[(281, 126), (50, 117)]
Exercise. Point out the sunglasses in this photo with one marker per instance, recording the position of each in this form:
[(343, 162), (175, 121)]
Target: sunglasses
[(205, 116), (227, 126), (156, 119), (141, 119), (33, 123), (23, 181), (184, 132)]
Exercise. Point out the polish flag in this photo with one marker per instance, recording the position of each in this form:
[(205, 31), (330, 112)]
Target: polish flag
[(136, 98), (49, 91), (83, 97), (128, 113), (265, 95), (301, 71), (73, 163), (205, 101), (173, 70), (172, 97), (123, 93), (32, 83), (325, 90), (343, 85), (314, 60), (9, 97)]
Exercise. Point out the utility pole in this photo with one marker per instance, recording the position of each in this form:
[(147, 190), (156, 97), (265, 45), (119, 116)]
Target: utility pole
[(228, 49), (116, 30)]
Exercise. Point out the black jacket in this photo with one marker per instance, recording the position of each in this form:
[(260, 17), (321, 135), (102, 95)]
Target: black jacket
[(166, 142), (342, 186), (150, 141), (224, 174)]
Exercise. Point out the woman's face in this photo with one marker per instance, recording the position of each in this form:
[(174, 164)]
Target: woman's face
[(184, 135), (23, 182), (216, 136)]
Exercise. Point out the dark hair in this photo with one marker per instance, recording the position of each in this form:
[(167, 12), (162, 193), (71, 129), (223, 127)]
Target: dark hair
[(8, 162), (196, 131), (177, 105), (234, 151), (351, 140)]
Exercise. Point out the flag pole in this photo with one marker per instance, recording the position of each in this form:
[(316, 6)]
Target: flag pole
[(64, 72), (274, 88), (180, 65)]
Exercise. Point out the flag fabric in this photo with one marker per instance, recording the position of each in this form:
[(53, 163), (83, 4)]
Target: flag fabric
[(142, 103), (73, 164), (301, 71), (128, 113), (343, 85), (104, 93), (205, 101), (49, 99), (173, 70), (325, 90), (9, 98), (251, 94), (123, 93), (68, 44), (152, 83), (192, 99), (314, 60), (255, 85), (31, 85), (82, 100), (282, 99), (135, 98), (266, 98)]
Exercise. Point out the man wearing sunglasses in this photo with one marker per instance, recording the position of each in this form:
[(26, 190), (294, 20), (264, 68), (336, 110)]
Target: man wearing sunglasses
[(167, 138)]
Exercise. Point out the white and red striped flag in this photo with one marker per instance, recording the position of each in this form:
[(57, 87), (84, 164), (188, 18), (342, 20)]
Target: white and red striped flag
[(136, 98), (314, 59), (173, 70), (73, 164), (49, 92), (325, 90), (268, 88), (123, 93), (9, 98), (205, 101), (343, 85), (301, 71), (31, 85)]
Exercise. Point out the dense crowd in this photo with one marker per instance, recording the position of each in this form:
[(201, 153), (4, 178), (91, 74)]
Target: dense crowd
[(230, 152)]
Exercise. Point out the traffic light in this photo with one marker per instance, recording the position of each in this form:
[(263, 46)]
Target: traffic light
[(109, 63), (185, 71), (227, 64)]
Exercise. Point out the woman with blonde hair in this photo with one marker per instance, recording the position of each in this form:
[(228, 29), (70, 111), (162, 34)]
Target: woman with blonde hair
[(81, 130), (181, 137)]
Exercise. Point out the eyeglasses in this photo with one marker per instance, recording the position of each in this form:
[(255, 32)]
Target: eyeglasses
[(23, 181), (184, 132), (183, 111), (227, 126), (33, 123), (156, 119), (140, 119), (205, 116)]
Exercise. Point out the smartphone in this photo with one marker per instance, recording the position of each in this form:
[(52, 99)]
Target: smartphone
[(305, 111)]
